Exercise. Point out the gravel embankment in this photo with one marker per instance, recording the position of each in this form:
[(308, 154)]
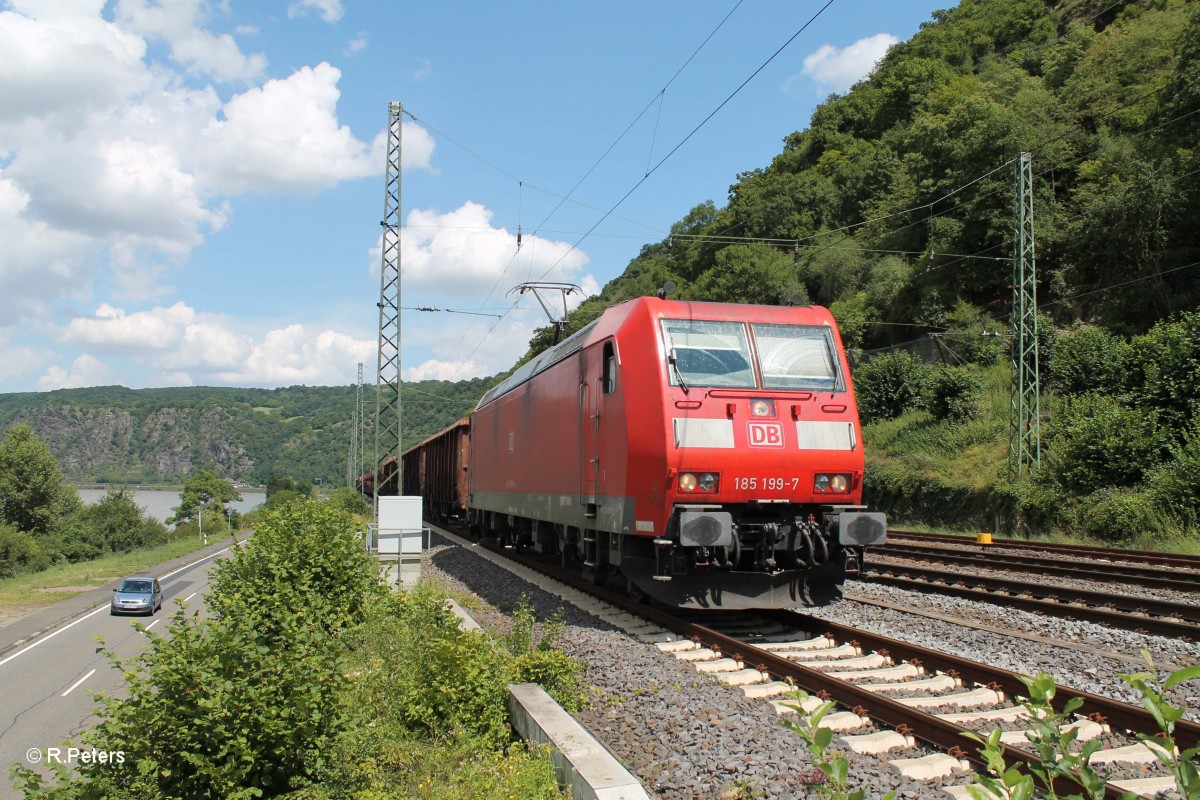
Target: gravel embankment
[(686, 736)]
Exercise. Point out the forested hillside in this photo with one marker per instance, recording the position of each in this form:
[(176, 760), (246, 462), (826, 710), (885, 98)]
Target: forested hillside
[(119, 435), (894, 207)]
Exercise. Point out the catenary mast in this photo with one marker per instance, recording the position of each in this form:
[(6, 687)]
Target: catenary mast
[(387, 386)]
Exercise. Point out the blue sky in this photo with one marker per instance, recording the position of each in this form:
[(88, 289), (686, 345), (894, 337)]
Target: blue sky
[(190, 191)]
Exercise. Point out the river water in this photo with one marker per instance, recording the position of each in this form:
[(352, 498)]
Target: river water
[(161, 504)]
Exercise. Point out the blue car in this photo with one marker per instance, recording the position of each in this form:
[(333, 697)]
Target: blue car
[(137, 594)]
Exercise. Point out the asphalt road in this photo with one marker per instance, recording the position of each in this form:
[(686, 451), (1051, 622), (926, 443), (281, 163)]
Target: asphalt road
[(50, 667)]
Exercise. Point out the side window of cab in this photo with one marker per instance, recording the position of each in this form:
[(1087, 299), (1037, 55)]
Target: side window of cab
[(610, 368)]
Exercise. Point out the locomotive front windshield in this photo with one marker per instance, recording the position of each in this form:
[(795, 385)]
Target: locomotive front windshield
[(718, 354), (796, 357), (708, 353)]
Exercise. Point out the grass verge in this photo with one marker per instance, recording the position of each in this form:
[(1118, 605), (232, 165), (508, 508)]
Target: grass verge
[(25, 594)]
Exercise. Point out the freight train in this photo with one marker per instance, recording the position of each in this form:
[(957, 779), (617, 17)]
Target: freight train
[(710, 454)]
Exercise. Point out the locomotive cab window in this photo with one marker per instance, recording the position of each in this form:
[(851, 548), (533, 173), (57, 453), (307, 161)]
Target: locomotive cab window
[(610, 368), (708, 353), (796, 357)]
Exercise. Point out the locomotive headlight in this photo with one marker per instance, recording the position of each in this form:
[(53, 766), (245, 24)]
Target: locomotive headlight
[(838, 484), (699, 481), (762, 408)]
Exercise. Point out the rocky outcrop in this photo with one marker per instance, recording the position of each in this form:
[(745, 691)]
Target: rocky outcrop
[(166, 445)]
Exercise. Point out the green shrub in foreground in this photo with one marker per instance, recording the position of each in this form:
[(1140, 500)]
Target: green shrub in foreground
[(247, 703), (1052, 741)]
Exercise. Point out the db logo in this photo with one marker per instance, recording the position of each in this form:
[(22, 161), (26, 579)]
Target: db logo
[(766, 434)]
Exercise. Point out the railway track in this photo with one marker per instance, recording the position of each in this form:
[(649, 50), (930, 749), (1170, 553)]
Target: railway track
[(890, 690), (984, 556), (1139, 614), (1112, 554)]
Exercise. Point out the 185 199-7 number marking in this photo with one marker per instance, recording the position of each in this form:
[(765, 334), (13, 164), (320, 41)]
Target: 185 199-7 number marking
[(766, 483)]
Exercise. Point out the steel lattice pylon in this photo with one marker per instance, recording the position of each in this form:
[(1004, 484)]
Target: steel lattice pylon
[(387, 386), (1024, 434)]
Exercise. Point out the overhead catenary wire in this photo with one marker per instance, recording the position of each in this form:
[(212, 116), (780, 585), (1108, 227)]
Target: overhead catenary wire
[(930, 206), (567, 198), (693, 132)]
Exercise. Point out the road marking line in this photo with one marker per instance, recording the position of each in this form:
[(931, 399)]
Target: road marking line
[(75, 685), (50, 636), (190, 596), (152, 624)]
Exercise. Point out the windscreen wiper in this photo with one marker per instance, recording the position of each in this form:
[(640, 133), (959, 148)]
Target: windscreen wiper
[(673, 360)]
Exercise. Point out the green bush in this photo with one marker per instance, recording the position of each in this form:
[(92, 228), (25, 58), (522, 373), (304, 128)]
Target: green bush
[(889, 385), (1089, 359), (305, 558), (954, 393), (537, 660), (1095, 442), (427, 675), (1168, 371), (1118, 516), (245, 703), (19, 552), (346, 499), (1176, 483), (973, 335)]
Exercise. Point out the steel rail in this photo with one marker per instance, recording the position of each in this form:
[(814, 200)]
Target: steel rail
[(1118, 714), (922, 725), (1142, 576), (1170, 619), (1119, 554)]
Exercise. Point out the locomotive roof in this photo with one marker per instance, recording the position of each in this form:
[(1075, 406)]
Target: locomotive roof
[(576, 341), (543, 360)]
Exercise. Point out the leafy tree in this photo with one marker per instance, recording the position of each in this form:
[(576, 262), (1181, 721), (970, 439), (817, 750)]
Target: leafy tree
[(121, 524), (751, 273), (203, 489), (34, 496), (854, 316)]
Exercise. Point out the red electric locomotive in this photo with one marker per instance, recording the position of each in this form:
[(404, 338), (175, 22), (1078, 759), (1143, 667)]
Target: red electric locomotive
[(709, 452)]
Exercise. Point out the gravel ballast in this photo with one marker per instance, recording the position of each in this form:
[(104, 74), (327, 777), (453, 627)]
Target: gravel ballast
[(684, 735)]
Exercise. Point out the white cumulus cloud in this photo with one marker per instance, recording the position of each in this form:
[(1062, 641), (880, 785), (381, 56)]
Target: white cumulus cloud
[(85, 370), (189, 347), (461, 254), (177, 22), (328, 10), (119, 158), (837, 69)]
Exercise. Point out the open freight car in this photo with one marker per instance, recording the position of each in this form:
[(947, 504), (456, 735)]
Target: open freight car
[(436, 470)]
